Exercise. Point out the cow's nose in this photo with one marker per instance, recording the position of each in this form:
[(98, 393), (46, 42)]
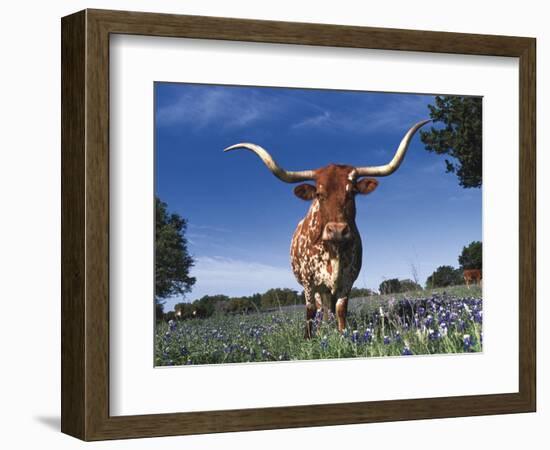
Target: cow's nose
[(336, 231)]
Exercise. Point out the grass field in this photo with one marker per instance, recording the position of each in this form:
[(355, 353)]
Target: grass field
[(415, 323)]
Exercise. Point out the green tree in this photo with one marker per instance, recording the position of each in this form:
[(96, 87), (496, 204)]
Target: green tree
[(159, 311), (471, 257), (274, 298), (391, 286), (240, 305), (208, 304), (444, 276), (461, 138), (184, 310), (360, 292), (409, 285), (172, 259)]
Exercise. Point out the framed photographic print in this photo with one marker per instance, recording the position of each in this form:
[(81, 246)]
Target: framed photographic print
[(272, 225)]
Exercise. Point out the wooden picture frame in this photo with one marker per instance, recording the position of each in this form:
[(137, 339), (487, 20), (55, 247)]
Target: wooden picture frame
[(85, 224)]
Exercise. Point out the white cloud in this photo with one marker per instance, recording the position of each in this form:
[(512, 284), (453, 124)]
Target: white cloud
[(397, 114), (202, 107), (231, 108), (209, 228), (233, 277), (318, 120)]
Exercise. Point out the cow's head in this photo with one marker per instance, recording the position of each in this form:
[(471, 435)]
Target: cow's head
[(335, 186), (333, 197)]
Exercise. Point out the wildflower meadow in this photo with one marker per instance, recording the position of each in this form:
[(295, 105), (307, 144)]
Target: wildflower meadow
[(446, 320)]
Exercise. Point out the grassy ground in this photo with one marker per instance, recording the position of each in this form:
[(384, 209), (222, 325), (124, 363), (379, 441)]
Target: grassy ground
[(414, 323)]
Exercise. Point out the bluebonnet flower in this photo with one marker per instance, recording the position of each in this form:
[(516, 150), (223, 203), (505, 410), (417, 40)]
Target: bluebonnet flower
[(184, 351), (368, 335), (387, 340), (452, 317), (433, 335), (406, 351), (429, 320), (355, 336), (478, 316), (172, 324), (468, 342), (227, 348), (397, 336)]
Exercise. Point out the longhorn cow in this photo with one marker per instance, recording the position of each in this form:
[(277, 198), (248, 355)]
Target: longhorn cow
[(472, 276), (326, 249)]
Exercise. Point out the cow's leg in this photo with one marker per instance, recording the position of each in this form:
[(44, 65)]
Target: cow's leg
[(318, 301), (341, 312), (310, 313), (326, 299)]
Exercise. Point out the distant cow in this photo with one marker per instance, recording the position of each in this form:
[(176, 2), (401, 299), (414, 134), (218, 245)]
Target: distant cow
[(326, 250), (472, 276)]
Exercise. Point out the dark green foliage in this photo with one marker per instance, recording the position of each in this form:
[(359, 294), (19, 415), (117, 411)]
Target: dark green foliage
[(360, 292), (395, 286), (445, 276), (461, 138), (159, 311), (184, 310), (170, 315), (209, 305), (240, 305), (391, 286), (409, 285), (172, 260), (204, 307), (471, 257), (280, 297)]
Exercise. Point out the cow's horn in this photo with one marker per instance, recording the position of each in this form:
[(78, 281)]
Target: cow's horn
[(284, 175), (393, 165)]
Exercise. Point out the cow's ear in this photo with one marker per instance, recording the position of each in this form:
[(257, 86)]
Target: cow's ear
[(366, 185), (305, 191)]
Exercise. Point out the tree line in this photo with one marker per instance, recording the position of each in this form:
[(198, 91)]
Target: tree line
[(470, 258), (209, 305)]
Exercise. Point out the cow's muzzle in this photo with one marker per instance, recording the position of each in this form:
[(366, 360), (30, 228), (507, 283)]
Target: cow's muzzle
[(336, 232)]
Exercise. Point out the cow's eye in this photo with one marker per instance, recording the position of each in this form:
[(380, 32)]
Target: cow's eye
[(320, 195)]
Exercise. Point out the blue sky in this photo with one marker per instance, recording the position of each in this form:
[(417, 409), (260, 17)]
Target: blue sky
[(241, 218)]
